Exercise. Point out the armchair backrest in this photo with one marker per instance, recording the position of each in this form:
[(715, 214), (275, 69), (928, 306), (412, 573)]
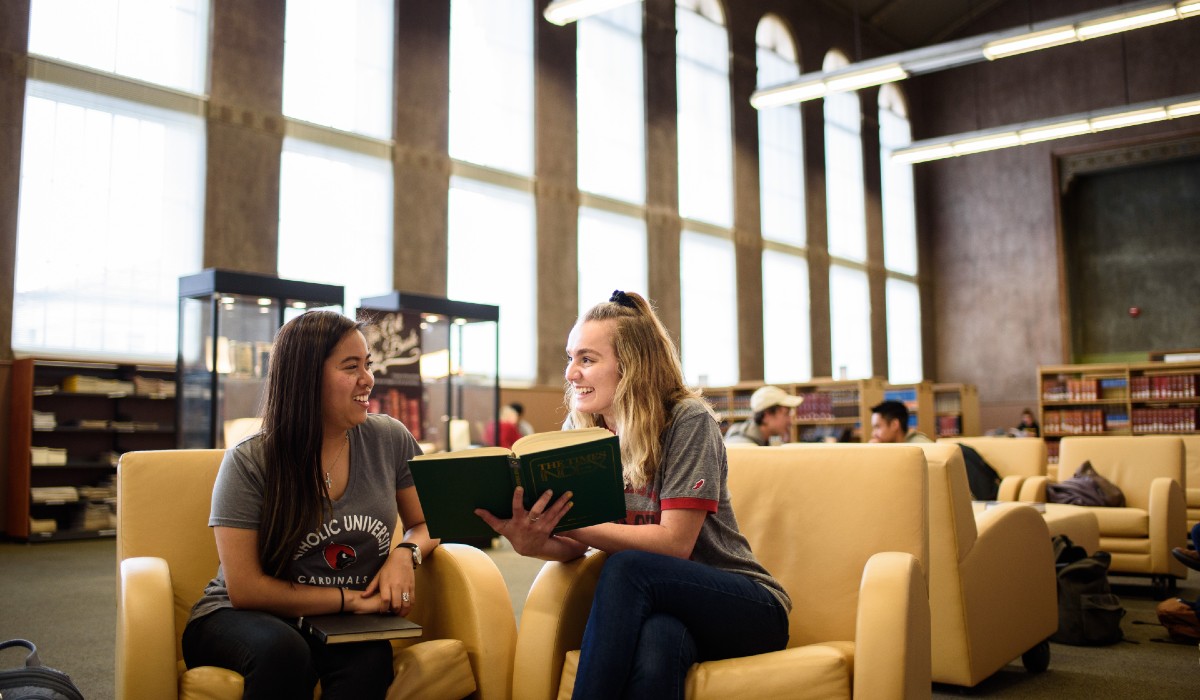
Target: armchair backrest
[(1130, 462), (814, 515), (952, 534), (163, 502), (1191, 459), (1009, 456)]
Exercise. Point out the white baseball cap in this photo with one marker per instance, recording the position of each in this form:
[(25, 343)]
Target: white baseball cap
[(768, 396)]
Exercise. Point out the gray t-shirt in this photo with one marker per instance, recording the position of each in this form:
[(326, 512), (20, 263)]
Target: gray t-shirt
[(350, 545), (692, 474)]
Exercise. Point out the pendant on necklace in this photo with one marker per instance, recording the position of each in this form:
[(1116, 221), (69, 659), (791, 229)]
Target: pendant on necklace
[(328, 481)]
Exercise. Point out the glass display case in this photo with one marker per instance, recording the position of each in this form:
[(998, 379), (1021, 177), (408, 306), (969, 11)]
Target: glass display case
[(437, 367), (227, 323)]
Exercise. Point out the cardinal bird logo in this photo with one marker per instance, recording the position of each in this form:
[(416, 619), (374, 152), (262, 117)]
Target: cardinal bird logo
[(698, 485), (339, 556)]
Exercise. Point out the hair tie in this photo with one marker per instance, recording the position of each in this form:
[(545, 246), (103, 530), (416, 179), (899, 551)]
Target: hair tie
[(622, 299)]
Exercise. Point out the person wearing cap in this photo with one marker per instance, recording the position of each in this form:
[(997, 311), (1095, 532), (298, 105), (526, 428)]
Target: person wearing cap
[(889, 423), (772, 409)]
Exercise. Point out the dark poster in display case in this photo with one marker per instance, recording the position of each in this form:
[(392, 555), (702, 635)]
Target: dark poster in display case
[(394, 341)]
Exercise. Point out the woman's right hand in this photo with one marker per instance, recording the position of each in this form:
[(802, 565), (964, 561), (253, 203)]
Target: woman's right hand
[(529, 531)]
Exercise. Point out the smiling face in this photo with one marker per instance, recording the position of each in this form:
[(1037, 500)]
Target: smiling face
[(346, 383), (592, 369)]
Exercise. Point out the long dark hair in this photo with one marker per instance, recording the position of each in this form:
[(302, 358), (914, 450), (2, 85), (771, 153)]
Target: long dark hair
[(295, 495)]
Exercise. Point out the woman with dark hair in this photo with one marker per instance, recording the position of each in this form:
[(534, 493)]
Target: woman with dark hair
[(680, 584), (303, 513)]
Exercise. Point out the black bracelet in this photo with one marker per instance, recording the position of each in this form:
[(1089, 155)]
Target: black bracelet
[(342, 606)]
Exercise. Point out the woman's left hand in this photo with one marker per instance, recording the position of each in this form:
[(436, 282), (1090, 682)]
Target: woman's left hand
[(395, 584), (529, 530)]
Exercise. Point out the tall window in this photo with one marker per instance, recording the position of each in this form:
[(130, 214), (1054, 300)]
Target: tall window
[(708, 291), (787, 353), (708, 309), (492, 252), (111, 202), (849, 295), (899, 242), (612, 155), (337, 65), (335, 181), (491, 83)]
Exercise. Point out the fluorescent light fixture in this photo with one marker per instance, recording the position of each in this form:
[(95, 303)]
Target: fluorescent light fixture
[(1048, 129), (563, 12), (961, 52), (1125, 22), (1002, 48)]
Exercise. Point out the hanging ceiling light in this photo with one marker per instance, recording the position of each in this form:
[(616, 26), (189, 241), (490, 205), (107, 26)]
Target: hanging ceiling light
[(1048, 129), (1002, 44), (562, 12)]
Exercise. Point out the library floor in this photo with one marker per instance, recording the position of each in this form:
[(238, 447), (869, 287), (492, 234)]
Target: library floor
[(61, 596)]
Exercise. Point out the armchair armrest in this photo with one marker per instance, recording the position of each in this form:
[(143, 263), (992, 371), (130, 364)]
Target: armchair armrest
[(893, 601), (467, 600), (552, 623), (1010, 487), (1168, 525), (1033, 489), (145, 652), (1009, 567)]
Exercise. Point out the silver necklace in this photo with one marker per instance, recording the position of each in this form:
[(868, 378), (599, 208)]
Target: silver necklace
[(328, 475)]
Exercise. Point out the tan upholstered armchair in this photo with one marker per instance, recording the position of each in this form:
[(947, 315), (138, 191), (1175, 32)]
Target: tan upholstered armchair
[(844, 529), (1191, 458), (1020, 462), (992, 590), (1150, 472), (166, 554)]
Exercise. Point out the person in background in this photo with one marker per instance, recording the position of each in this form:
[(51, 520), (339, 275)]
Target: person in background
[(303, 513), (773, 410), (523, 426), (508, 432), (680, 584), (889, 423), (1028, 427)]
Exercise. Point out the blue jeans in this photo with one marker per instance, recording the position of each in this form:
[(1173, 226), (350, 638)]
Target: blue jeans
[(279, 661), (653, 616)]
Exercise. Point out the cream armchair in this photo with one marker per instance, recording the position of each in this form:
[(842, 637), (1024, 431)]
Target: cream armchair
[(1149, 470), (992, 589), (1191, 456), (843, 528), (1020, 462), (166, 554)]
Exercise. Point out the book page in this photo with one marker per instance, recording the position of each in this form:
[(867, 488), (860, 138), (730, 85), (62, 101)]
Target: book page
[(463, 454), (540, 442)]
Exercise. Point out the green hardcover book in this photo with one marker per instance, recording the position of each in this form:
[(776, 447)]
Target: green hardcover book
[(586, 462)]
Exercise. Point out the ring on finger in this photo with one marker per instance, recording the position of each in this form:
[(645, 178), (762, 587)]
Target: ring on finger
[(534, 518), (404, 597)]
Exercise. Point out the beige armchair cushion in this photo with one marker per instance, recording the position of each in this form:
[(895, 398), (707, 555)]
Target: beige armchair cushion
[(992, 590), (844, 529), (1149, 470), (1191, 456), (166, 554), (1020, 462)]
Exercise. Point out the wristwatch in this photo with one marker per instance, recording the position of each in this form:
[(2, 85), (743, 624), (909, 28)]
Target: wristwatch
[(416, 552)]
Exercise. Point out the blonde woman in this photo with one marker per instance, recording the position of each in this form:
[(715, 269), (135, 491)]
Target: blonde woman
[(681, 584)]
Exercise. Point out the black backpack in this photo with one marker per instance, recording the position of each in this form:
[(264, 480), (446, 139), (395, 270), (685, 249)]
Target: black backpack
[(1088, 612), (983, 481), (33, 681)]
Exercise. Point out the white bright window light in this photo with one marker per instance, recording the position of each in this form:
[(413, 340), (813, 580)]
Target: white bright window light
[(961, 52), (1048, 129)]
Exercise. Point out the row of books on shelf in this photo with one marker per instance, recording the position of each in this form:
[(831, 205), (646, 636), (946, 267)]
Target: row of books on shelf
[(40, 456), (404, 407), (103, 492), (47, 421), (1084, 389), (1172, 386), (949, 426), (828, 405), (140, 385), (1165, 420), (947, 403)]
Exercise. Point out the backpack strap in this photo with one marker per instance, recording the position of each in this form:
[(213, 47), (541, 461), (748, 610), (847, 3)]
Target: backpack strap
[(31, 660)]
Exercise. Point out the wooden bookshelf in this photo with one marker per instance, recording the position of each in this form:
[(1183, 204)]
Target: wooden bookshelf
[(1146, 398), (69, 423), (956, 410), (832, 408)]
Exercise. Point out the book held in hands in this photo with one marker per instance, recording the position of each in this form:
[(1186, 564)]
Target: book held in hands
[(586, 462), (339, 628)]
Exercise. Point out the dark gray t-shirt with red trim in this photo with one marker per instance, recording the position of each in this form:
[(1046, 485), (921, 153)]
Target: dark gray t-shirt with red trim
[(692, 474), (351, 543)]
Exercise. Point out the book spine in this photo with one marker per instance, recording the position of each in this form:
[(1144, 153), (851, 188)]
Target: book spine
[(515, 465)]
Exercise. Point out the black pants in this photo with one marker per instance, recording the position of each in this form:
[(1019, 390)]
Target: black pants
[(279, 661)]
